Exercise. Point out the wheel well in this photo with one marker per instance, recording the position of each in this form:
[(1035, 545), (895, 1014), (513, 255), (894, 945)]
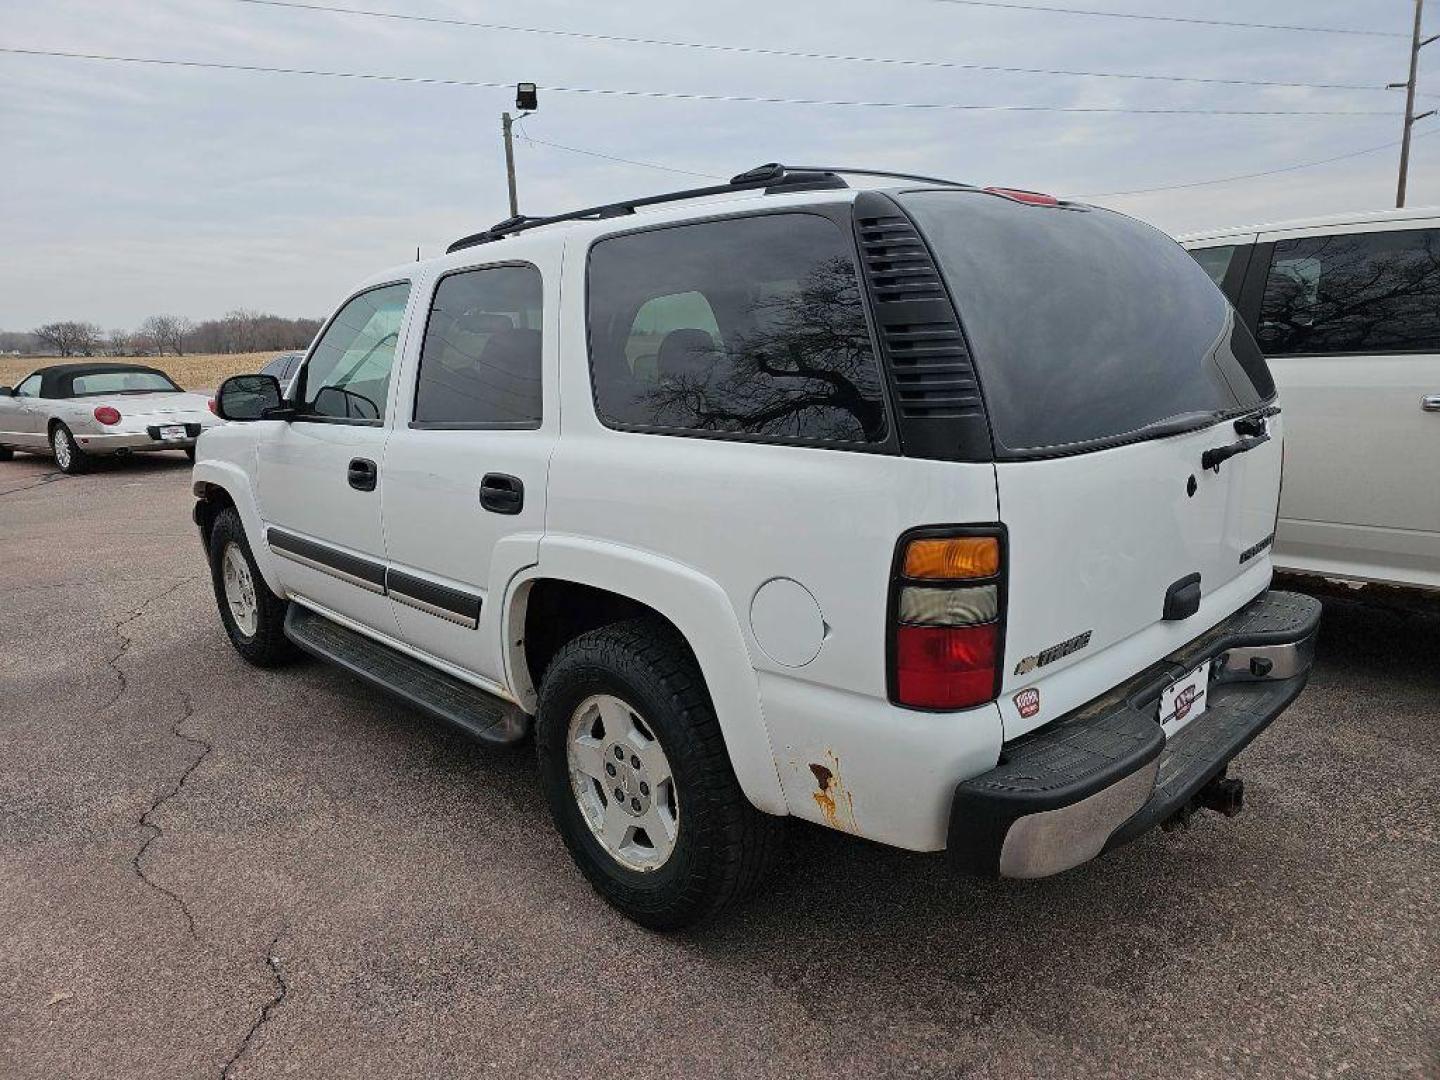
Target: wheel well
[(212, 499), (558, 611)]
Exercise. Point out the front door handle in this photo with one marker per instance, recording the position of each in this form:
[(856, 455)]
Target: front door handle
[(363, 474), (501, 493), (1430, 403)]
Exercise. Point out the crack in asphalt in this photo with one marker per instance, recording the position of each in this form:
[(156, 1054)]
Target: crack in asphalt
[(48, 478), (283, 990), (156, 831), (123, 683)]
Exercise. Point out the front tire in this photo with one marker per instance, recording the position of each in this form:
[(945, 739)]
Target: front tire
[(6, 453), (254, 617), (639, 781), (68, 455)]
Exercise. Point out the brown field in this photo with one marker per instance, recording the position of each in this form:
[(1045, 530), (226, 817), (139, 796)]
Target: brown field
[(201, 372)]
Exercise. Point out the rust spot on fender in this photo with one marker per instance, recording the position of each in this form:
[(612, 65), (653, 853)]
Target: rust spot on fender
[(835, 803)]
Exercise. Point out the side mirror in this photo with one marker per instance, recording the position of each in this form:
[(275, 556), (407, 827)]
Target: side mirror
[(248, 397)]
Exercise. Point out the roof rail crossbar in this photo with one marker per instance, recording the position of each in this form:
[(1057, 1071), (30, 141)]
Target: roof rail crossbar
[(773, 177)]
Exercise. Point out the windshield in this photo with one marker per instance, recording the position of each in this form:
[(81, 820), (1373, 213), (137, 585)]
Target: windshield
[(121, 382), (1088, 327)]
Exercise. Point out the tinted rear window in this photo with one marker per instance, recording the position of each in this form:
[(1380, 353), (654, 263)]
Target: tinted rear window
[(1087, 326)]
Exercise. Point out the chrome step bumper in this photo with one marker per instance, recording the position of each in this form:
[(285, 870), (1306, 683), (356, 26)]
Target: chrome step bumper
[(1105, 773)]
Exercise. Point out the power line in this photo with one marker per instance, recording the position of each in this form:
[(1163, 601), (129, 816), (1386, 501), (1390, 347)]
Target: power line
[(1008, 5), (675, 95), (752, 50), (621, 160), (1255, 175)]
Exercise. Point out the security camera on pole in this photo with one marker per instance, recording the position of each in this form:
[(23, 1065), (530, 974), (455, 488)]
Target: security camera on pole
[(526, 102)]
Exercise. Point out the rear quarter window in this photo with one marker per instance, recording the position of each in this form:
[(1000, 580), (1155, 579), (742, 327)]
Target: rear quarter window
[(751, 326), (1087, 326), (1353, 293)]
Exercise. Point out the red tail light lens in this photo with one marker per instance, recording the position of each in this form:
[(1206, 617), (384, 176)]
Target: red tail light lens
[(106, 415), (213, 406), (945, 667)]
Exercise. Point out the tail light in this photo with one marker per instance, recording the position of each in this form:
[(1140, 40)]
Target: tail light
[(947, 618), (107, 415), (213, 406)]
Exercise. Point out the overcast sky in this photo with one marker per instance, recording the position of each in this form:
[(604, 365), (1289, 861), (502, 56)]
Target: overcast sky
[(127, 190)]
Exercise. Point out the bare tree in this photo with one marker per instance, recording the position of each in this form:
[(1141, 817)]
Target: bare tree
[(118, 343), (70, 338), (241, 330), (167, 332), (801, 365)]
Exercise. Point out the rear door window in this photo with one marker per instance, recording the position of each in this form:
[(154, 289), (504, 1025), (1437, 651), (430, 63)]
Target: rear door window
[(480, 364), (1353, 293), (348, 376), (751, 326), (1087, 326)]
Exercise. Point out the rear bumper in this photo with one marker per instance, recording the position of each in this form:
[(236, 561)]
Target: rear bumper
[(149, 439), (1104, 774)]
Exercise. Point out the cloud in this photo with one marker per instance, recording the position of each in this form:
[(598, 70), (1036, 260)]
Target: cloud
[(129, 189)]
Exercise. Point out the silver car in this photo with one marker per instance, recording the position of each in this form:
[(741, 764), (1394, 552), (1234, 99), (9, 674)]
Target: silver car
[(84, 410)]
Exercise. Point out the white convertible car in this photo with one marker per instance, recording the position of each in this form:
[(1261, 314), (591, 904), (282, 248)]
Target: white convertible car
[(84, 410)]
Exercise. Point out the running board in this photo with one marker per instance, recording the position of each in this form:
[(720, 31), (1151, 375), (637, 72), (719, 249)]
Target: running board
[(483, 716)]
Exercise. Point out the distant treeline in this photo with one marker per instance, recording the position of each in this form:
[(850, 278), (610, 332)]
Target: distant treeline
[(237, 331)]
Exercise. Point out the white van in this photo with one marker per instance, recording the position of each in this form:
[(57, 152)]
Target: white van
[(1347, 311)]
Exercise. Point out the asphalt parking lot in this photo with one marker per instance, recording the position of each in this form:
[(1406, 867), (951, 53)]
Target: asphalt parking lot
[(207, 870)]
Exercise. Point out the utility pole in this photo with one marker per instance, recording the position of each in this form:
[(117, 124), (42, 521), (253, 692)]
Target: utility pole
[(526, 102), (1416, 44), (506, 122)]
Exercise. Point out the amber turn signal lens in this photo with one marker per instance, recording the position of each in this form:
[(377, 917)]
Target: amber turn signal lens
[(953, 558)]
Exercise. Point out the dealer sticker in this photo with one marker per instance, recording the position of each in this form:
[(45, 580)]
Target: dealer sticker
[(1183, 700), (1028, 702)]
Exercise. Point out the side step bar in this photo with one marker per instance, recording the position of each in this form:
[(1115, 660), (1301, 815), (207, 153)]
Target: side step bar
[(483, 716)]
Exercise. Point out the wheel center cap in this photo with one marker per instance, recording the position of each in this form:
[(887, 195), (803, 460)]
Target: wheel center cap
[(629, 784)]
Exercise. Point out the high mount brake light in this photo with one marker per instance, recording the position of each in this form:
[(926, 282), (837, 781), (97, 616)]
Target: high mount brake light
[(947, 618), (1033, 198), (107, 415)]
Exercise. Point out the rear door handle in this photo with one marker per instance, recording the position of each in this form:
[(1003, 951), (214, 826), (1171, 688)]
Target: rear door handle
[(1430, 403), (501, 493), (363, 474)]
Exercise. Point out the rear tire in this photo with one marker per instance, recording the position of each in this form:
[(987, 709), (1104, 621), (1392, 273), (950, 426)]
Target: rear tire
[(718, 847), (6, 453), (254, 617), (68, 455)]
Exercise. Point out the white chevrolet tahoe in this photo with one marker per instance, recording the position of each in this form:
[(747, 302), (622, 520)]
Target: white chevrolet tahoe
[(937, 515)]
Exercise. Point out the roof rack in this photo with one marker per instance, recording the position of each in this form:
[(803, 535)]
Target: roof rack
[(772, 177)]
